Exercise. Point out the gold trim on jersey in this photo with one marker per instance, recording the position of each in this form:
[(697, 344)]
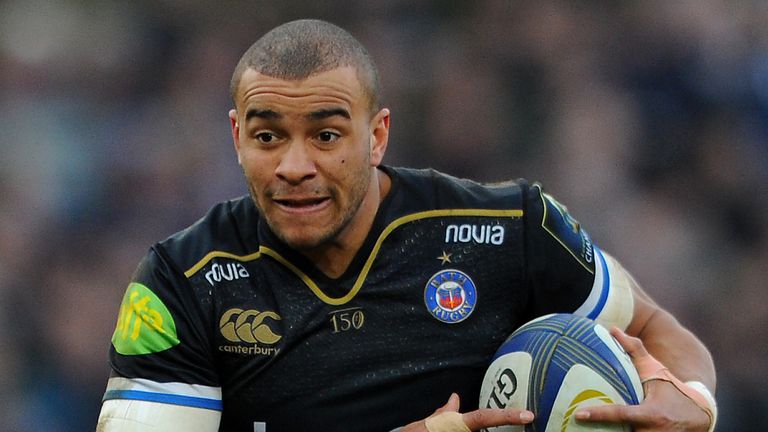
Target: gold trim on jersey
[(337, 301), (220, 254)]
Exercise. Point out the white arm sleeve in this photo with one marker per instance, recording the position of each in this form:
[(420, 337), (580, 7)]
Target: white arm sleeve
[(611, 301), (125, 415)]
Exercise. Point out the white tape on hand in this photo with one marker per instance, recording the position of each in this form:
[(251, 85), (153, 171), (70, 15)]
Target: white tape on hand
[(450, 421), (704, 391), (651, 369)]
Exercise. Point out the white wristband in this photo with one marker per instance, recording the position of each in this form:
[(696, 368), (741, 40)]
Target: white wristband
[(701, 388)]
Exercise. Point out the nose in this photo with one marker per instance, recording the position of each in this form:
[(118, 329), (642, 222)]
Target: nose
[(296, 164)]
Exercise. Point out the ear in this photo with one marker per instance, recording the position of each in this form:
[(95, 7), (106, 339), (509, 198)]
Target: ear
[(235, 132), (379, 136)]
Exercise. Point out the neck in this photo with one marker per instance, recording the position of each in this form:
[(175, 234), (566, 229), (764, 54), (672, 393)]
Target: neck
[(333, 259)]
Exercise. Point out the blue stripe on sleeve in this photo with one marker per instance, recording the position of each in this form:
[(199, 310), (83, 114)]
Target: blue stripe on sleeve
[(190, 401), (605, 289)]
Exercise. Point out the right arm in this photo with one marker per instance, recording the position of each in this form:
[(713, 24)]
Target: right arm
[(162, 374), (124, 415)]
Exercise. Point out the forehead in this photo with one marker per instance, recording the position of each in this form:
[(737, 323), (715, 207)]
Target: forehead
[(340, 86)]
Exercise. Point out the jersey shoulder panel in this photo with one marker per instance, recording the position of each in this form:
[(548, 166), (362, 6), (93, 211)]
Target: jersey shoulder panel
[(554, 222), (163, 347), (432, 189), (162, 330), (560, 256)]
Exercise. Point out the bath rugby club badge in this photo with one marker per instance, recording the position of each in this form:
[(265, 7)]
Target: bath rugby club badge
[(450, 296)]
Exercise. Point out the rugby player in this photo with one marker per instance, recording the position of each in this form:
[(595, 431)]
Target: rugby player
[(344, 294)]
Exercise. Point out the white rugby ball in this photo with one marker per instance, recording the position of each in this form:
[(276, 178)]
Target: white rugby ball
[(555, 365)]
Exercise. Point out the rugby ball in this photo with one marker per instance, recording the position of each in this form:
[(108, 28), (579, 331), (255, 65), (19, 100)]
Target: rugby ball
[(555, 365)]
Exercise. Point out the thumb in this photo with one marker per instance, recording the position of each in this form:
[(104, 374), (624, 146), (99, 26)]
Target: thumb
[(452, 404)]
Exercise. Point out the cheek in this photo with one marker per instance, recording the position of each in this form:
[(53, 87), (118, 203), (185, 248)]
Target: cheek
[(255, 171)]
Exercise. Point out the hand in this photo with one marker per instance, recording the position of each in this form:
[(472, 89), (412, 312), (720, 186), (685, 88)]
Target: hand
[(475, 420), (665, 408)]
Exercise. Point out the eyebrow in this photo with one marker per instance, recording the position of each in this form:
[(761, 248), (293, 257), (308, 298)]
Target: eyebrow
[(266, 114), (326, 113)]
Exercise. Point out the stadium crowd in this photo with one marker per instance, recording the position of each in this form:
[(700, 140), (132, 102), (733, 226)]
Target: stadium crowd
[(649, 119)]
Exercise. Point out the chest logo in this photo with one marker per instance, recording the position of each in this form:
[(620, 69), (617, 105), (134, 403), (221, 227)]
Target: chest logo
[(145, 324), (471, 233), (229, 271), (450, 296), (250, 326)]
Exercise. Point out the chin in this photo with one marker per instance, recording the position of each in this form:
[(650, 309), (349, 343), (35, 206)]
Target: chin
[(304, 241)]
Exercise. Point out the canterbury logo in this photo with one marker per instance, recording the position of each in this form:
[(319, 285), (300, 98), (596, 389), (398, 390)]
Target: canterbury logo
[(238, 325)]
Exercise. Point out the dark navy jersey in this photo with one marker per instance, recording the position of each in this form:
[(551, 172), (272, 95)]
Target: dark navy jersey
[(224, 316)]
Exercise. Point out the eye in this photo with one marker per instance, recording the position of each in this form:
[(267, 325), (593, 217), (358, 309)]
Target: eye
[(327, 136), (265, 137)]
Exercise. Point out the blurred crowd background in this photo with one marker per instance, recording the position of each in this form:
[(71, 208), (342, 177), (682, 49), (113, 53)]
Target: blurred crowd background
[(649, 119)]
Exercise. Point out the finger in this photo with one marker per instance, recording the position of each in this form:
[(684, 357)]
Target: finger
[(485, 417), (633, 414), (632, 345), (648, 368), (452, 404)]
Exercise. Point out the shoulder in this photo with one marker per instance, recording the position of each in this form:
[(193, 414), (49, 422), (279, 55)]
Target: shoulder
[(446, 191), (225, 228), (553, 224)]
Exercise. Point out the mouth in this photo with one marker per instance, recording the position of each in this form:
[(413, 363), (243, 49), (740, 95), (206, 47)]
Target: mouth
[(299, 205)]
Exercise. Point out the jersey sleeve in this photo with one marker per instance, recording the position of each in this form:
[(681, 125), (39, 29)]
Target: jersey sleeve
[(160, 348), (566, 272)]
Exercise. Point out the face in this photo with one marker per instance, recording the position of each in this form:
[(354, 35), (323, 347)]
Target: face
[(309, 151)]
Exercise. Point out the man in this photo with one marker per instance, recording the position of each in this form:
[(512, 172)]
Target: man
[(347, 295)]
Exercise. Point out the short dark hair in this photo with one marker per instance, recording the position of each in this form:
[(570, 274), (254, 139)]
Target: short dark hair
[(302, 48)]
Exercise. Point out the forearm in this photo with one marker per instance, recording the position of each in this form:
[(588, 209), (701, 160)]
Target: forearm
[(663, 336), (677, 348), (123, 415)]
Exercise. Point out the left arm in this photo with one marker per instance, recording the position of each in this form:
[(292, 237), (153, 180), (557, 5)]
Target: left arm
[(562, 259), (668, 404)]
